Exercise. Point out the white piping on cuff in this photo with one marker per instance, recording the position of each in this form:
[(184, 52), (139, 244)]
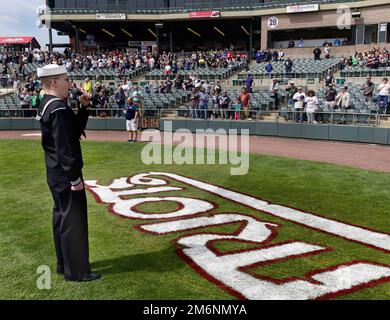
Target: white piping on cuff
[(75, 183)]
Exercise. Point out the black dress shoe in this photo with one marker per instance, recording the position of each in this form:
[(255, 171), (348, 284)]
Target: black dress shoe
[(60, 270), (91, 277)]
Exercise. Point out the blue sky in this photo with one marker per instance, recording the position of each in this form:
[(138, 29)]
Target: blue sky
[(19, 18)]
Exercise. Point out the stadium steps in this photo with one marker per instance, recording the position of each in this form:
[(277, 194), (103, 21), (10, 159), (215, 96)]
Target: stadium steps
[(265, 116), (385, 122), (168, 114)]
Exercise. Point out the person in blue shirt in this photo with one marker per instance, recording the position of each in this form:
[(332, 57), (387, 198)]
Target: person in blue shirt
[(249, 83), (132, 120), (268, 68), (259, 56)]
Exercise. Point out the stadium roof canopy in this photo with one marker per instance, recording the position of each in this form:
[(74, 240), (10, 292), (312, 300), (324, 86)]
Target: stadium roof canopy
[(19, 40)]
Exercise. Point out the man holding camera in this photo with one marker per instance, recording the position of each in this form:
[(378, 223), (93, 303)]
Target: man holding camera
[(61, 132)]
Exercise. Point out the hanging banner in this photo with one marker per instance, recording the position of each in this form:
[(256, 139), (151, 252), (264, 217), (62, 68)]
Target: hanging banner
[(111, 16), (205, 14), (303, 8)]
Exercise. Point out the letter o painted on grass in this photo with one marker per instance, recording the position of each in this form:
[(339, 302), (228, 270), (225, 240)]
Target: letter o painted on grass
[(143, 179), (188, 207)]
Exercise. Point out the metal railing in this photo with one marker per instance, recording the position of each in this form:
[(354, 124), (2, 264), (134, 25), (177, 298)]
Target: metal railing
[(320, 117), (132, 8), (93, 112)]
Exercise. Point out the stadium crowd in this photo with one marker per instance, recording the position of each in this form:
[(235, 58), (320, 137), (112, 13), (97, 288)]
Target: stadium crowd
[(372, 59), (205, 99), (121, 60)]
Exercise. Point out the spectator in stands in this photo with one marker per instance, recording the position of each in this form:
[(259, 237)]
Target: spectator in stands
[(329, 79), (281, 55), (268, 69), (30, 85), (217, 88), (137, 98), (168, 69), (291, 43), (224, 102), (98, 84), (267, 56), (17, 85), (207, 87), (75, 93), (249, 83), (288, 64), (275, 55), (103, 103), (194, 100), (25, 102), (203, 104), (311, 106), (330, 97), (197, 82), (237, 109), (342, 99), (274, 94), (259, 56), (301, 44), (245, 99), (87, 86), (120, 99), (188, 85), (215, 103), (178, 81), (317, 53), (327, 51), (202, 62), (155, 87), (368, 90), (337, 42), (127, 86), (299, 100), (291, 90), (168, 85), (342, 63), (349, 61), (384, 91), (35, 102)]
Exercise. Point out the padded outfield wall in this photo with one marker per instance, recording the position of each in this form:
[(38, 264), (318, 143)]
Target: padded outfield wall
[(361, 134)]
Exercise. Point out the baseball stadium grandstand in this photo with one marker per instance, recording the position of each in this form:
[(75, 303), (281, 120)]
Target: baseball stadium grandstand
[(294, 206), (167, 49)]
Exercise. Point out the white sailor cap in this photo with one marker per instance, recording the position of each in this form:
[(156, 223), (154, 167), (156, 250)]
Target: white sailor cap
[(51, 70)]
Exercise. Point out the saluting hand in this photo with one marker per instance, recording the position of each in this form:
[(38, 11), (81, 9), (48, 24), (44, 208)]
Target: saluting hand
[(85, 100)]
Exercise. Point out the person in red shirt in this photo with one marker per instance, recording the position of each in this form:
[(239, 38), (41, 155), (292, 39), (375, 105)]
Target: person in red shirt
[(245, 99)]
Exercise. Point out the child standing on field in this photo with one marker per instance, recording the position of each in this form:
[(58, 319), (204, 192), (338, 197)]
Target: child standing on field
[(237, 109)]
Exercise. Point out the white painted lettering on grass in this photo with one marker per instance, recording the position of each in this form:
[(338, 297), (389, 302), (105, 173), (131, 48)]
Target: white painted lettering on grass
[(233, 270)]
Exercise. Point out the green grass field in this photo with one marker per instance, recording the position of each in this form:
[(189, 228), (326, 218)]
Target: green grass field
[(136, 265)]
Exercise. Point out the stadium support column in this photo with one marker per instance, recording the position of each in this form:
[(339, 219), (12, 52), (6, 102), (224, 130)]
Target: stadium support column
[(250, 54), (158, 40), (50, 40), (77, 34), (170, 39), (264, 33)]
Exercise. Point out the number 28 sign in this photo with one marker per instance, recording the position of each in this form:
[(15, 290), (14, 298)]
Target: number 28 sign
[(273, 22), (232, 271)]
